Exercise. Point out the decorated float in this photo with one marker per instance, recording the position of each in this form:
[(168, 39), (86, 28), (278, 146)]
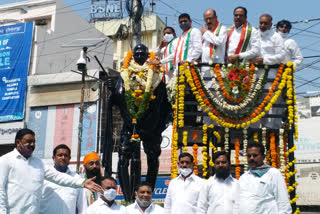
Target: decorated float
[(235, 104)]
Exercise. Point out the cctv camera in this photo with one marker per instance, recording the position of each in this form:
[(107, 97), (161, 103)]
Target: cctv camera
[(82, 62)]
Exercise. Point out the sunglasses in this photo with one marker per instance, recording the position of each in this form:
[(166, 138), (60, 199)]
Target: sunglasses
[(253, 155)]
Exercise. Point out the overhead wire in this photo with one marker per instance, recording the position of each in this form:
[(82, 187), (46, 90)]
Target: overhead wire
[(169, 6)]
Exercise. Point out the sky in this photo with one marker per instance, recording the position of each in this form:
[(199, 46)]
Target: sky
[(306, 33)]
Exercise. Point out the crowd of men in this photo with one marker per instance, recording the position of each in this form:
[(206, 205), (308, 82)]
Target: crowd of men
[(215, 43), (27, 185)]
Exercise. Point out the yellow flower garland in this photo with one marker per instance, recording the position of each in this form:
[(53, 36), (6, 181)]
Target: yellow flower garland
[(221, 121), (174, 145), (185, 141), (205, 151)]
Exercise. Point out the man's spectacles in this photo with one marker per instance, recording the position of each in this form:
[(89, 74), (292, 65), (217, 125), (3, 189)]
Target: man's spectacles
[(253, 155)]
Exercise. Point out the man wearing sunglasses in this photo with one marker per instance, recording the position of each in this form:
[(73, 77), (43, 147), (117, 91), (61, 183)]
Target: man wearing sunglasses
[(262, 187)]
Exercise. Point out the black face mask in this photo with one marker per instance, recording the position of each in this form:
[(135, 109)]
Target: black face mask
[(185, 26), (140, 57), (94, 173), (222, 173)]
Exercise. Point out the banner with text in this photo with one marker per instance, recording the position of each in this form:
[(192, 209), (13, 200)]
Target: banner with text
[(15, 49), (59, 124)]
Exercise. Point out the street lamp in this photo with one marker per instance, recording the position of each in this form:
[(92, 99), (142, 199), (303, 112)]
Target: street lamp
[(82, 67)]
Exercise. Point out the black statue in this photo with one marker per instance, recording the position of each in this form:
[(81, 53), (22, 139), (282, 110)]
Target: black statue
[(149, 128)]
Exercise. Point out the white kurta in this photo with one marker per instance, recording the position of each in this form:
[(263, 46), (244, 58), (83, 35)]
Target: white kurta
[(219, 42), (152, 209), (253, 48), (266, 195), (272, 47), (164, 52), (62, 200), (21, 182), (194, 48), (219, 196), (182, 195), (101, 207), (273, 52), (293, 52)]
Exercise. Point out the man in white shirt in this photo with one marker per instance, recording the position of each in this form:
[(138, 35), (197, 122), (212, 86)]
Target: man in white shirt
[(271, 43), (220, 193), (188, 47), (214, 37), (22, 177), (293, 52), (272, 52), (106, 202), (60, 199), (262, 188), (242, 39), (183, 191), (166, 48), (143, 203)]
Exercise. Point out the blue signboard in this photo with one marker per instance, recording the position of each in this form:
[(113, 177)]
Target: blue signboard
[(160, 190), (89, 129), (15, 48)]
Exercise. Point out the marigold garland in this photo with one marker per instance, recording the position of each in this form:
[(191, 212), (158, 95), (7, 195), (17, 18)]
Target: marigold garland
[(185, 141), (138, 85), (273, 150), (174, 145), (195, 159), (205, 150), (181, 94), (243, 124), (237, 160)]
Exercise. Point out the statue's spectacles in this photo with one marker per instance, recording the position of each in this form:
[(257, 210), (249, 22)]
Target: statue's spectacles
[(253, 155)]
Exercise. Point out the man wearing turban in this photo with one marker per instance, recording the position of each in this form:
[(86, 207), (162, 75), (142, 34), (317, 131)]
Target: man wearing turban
[(91, 163)]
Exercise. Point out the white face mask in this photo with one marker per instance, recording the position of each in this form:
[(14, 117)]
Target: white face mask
[(185, 171), (110, 194), (143, 204), (284, 35), (263, 33), (168, 37)]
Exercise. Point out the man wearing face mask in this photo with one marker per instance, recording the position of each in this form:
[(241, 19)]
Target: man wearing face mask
[(91, 163), (271, 44), (22, 177), (293, 52), (262, 187), (243, 40), (143, 203), (188, 47), (183, 191), (272, 52), (59, 199), (220, 193), (166, 48), (106, 202)]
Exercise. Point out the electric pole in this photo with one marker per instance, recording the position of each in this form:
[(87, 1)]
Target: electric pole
[(83, 68), (152, 4), (137, 11)]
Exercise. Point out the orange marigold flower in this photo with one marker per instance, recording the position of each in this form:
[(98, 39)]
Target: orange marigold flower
[(244, 86), (232, 84)]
